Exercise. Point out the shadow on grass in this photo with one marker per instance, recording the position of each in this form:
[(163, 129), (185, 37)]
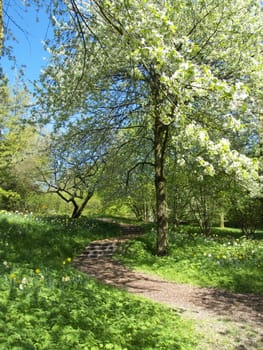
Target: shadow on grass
[(49, 240), (220, 302)]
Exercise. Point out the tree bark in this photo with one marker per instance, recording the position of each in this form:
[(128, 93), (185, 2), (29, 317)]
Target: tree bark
[(78, 209), (222, 220), (75, 214), (160, 138), (261, 161)]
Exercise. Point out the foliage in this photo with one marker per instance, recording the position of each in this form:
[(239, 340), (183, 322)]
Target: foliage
[(20, 149), (1, 27), (131, 191), (197, 198), (158, 76), (76, 160), (47, 304), (225, 260), (246, 214)]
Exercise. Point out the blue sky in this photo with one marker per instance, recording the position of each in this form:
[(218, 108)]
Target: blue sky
[(29, 32)]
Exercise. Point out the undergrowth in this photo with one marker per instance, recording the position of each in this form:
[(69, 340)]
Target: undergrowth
[(226, 259), (45, 304)]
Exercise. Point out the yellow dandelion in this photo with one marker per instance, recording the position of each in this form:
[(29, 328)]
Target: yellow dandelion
[(69, 259), (13, 275), (37, 270)]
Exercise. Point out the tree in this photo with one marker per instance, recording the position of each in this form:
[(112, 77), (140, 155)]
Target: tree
[(200, 190), (76, 160), (260, 153), (1, 28), (161, 66), (20, 150), (130, 173), (6, 193), (20, 156), (132, 189)]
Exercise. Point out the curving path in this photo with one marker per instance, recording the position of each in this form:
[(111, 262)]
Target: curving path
[(225, 320)]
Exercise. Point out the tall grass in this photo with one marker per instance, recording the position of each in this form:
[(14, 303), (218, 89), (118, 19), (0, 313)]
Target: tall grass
[(45, 304)]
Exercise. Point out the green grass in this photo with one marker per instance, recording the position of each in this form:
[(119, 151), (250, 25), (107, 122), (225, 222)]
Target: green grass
[(45, 304), (226, 260)]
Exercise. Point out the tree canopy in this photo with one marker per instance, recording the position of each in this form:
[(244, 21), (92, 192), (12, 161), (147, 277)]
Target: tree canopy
[(186, 73)]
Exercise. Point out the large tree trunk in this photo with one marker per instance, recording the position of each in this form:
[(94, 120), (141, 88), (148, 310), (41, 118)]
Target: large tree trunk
[(160, 138), (261, 161)]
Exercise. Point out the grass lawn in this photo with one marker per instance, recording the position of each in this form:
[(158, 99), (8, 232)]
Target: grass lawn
[(224, 260), (45, 304)]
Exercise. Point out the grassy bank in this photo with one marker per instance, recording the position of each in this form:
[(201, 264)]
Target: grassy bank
[(225, 260)]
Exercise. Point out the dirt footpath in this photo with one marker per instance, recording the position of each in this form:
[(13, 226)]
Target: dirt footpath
[(225, 320)]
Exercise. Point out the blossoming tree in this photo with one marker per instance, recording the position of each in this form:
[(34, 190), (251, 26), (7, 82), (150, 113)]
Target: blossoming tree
[(179, 72)]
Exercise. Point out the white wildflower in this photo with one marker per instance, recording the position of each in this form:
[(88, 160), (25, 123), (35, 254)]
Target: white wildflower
[(65, 279)]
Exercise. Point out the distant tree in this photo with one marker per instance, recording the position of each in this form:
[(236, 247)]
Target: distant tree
[(20, 149), (1, 28), (134, 190), (7, 194), (130, 174), (76, 161), (259, 154)]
